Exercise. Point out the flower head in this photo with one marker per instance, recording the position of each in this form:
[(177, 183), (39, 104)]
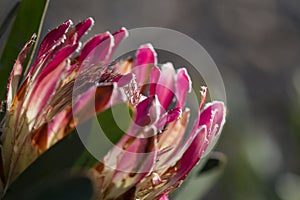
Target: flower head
[(157, 151)]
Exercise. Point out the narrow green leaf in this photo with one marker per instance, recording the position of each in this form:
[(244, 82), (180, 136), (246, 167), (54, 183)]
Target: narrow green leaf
[(29, 20), (4, 26), (70, 152), (101, 133), (115, 122), (63, 155), (58, 186)]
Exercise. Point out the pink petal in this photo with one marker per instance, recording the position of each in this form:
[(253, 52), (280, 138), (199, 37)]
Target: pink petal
[(213, 114), (145, 60), (117, 96), (49, 133), (62, 39), (49, 46), (183, 86), (99, 48), (96, 50), (165, 85), (171, 144), (47, 81), (93, 101), (202, 121), (164, 197), (119, 36), (192, 155), (53, 37), (123, 80), (141, 152), (154, 77), (82, 27), (75, 33), (147, 111), (145, 55), (133, 158), (213, 117), (188, 160), (17, 72), (168, 117), (177, 152)]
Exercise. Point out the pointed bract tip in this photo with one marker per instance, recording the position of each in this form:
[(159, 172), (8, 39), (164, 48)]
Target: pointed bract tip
[(218, 105), (90, 20), (203, 92), (148, 46), (167, 66), (68, 22), (185, 74), (123, 29)]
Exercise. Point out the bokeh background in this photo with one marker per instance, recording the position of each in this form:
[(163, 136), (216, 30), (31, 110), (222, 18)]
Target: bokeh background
[(256, 46)]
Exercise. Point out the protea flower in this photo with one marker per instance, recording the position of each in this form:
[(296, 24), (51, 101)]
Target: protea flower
[(42, 109)]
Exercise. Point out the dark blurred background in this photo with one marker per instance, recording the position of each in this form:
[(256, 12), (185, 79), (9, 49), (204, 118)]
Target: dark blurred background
[(256, 46)]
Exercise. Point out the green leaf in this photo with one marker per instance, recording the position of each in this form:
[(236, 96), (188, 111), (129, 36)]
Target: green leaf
[(101, 133), (55, 186), (62, 156), (115, 121), (29, 20), (214, 162), (201, 179), (4, 26), (70, 152)]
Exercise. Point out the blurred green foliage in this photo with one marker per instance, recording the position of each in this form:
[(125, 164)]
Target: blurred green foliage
[(23, 27)]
